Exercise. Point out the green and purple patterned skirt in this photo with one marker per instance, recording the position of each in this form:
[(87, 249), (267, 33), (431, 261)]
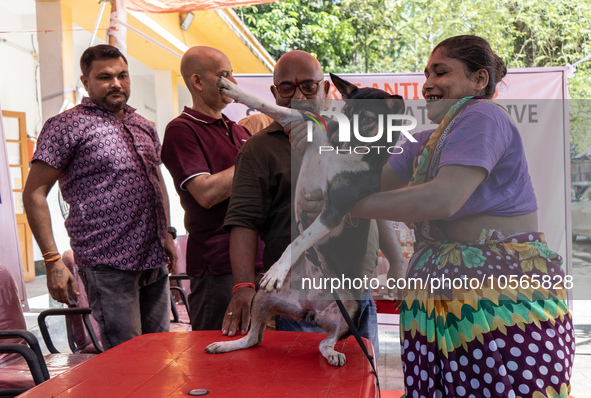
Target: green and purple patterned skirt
[(489, 321)]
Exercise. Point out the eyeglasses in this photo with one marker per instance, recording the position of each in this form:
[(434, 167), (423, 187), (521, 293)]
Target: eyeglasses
[(307, 87)]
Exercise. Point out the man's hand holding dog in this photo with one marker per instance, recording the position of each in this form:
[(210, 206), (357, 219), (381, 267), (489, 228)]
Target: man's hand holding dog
[(243, 250), (310, 206), (238, 313), (298, 133)]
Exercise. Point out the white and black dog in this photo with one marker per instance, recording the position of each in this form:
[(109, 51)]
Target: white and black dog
[(345, 179)]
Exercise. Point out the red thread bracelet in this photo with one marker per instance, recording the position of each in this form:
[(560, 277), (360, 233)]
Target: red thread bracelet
[(243, 284)]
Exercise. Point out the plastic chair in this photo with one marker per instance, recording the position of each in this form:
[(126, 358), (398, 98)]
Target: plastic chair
[(21, 360), (179, 285), (82, 330), (180, 273), (179, 316)]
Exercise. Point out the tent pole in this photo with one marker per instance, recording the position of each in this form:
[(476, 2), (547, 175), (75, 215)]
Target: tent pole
[(98, 20), (112, 38)]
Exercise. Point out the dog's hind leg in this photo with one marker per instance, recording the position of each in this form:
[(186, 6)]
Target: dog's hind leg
[(263, 307), (327, 350), (274, 278), (333, 323), (262, 310)]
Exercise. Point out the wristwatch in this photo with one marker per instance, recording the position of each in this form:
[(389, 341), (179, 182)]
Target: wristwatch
[(172, 231)]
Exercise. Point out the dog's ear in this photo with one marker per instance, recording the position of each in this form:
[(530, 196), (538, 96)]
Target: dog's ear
[(345, 88), (395, 103)]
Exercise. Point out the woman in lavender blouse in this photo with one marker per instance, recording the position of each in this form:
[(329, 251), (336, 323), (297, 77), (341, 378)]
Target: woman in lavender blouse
[(483, 313)]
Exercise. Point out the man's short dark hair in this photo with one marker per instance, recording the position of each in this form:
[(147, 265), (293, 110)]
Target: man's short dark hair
[(98, 52)]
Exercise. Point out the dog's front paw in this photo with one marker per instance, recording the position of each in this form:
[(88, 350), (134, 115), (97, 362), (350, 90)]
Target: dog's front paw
[(336, 359), (217, 348), (273, 279), (228, 88)]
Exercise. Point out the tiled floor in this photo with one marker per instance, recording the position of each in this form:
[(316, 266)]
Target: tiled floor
[(389, 366)]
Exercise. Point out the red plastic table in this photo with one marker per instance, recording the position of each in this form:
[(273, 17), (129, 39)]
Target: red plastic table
[(286, 364)]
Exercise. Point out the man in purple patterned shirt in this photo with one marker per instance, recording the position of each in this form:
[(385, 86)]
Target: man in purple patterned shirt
[(106, 159)]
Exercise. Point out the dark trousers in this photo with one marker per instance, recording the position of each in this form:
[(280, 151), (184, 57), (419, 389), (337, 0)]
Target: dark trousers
[(209, 299), (126, 304)]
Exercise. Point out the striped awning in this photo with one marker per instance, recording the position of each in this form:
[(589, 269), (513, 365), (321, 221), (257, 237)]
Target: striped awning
[(159, 6)]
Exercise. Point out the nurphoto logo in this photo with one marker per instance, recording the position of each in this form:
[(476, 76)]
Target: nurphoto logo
[(389, 125)]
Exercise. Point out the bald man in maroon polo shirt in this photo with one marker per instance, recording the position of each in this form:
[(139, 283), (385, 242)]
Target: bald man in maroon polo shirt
[(199, 150)]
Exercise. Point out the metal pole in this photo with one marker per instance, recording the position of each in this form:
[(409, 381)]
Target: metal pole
[(98, 20)]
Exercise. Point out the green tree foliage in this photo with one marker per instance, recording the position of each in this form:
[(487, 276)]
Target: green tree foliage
[(398, 36), (580, 120), (317, 28)]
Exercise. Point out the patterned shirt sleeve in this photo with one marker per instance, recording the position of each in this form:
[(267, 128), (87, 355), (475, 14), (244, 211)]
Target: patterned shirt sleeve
[(156, 140), (57, 141)]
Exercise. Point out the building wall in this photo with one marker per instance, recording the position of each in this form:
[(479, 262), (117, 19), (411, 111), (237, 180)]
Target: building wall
[(19, 79), (42, 90), (20, 86)]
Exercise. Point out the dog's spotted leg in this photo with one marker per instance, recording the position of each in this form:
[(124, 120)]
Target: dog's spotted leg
[(333, 323), (263, 307), (274, 278), (247, 341), (278, 113), (327, 350)]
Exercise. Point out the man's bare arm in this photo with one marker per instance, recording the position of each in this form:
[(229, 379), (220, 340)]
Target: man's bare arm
[(243, 251), (209, 190), (41, 179)]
